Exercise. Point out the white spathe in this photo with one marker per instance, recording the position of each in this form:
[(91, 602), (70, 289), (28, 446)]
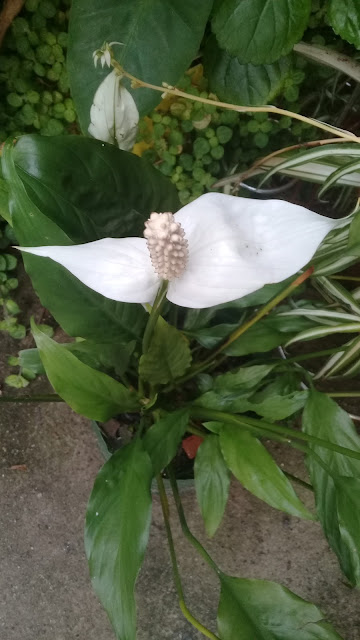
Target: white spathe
[(113, 115), (236, 246)]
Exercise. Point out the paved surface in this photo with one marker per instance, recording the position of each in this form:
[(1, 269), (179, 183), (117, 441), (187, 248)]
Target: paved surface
[(45, 591)]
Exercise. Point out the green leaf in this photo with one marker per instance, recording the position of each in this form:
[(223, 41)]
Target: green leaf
[(162, 439), (117, 531), (268, 333), (16, 381), (30, 359), (325, 419), (89, 392), (91, 189), (231, 391), (4, 201), (344, 18), (254, 467), (348, 511), (168, 356), (279, 399), (212, 482), (160, 40), (245, 378), (268, 611), (260, 31), (79, 310), (244, 84)]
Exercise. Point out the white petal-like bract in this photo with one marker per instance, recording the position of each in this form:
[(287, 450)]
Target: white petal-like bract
[(118, 268), (114, 116), (237, 245)]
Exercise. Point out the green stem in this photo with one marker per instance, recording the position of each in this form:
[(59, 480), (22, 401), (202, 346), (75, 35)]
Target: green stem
[(188, 615), (208, 362), (299, 481), (344, 394), (154, 315), (50, 397), (184, 526), (313, 354), (349, 278), (253, 424)]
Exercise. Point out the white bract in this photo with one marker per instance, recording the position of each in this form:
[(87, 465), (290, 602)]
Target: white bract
[(114, 116), (216, 249)]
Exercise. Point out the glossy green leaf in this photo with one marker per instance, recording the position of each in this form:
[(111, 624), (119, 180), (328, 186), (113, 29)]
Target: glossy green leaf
[(212, 482), (260, 31), (79, 310), (325, 419), (89, 392), (348, 511), (279, 399), (244, 84), (162, 439), (344, 18), (264, 610), (254, 467), (117, 531), (4, 201), (91, 189), (231, 391), (268, 333), (159, 42), (168, 356), (245, 378)]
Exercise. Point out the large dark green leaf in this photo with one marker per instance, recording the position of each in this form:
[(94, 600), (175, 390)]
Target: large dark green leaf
[(162, 439), (212, 481), (244, 84), (117, 530), (264, 610), (160, 39), (344, 18), (168, 356), (260, 31), (91, 393), (325, 419), (90, 189), (78, 309), (254, 467)]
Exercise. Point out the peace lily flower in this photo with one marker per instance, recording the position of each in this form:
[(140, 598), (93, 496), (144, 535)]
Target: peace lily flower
[(114, 115), (216, 249)]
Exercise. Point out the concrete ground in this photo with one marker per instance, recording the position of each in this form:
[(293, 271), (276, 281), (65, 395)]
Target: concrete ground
[(45, 591)]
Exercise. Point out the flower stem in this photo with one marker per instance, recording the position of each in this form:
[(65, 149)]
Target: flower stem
[(188, 615), (184, 525), (154, 315), (266, 428), (173, 91)]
